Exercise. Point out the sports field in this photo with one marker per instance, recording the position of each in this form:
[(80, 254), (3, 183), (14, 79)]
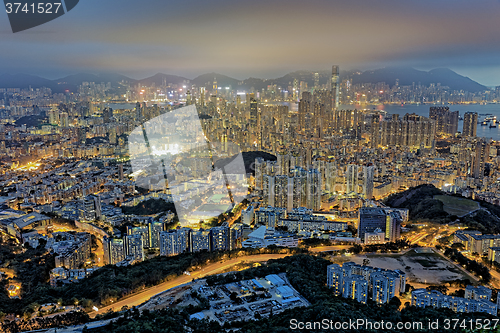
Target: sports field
[(422, 266), (457, 206)]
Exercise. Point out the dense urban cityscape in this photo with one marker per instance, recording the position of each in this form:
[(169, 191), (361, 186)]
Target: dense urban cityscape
[(291, 166), (317, 173)]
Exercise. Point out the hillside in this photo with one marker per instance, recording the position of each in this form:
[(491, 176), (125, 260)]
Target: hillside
[(408, 76), (423, 204)]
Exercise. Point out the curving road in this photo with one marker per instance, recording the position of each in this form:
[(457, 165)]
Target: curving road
[(210, 269), (329, 248)]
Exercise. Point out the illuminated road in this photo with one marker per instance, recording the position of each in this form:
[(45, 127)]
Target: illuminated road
[(329, 248), (211, 269)]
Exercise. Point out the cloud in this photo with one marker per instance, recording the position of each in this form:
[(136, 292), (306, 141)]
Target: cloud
[(267, 37)]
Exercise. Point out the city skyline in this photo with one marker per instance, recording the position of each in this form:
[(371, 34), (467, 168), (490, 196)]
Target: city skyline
[(259, 39)]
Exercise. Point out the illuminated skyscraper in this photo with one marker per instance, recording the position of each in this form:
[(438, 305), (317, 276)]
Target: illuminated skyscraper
[(134, 247), (334, 86), (316, 81), (368, 173), (313, 199), (220, 238), (481, 158), (446, 121), (470, 124), (170, 243), (114, 250), (352, 178)]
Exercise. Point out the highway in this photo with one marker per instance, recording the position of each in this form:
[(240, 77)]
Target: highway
[(210, 269), (329, 248)]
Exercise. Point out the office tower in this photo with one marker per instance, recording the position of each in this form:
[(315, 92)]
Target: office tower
[(134, 247), (371, 218), (200, 240), (334, 86), (90, 208), (393, 226), (219, 238), (335, 277), (356, 288), (368, 173), (142, 231), (470, 124), (481, 157), (215, 87), (352, 178), (313, 190), (114, 250), (154, 229), (202, 97), (446, 121), (253, 113), (316, 81)]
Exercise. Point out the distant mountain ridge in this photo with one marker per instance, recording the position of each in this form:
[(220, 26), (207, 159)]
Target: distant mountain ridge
[(405, 75)]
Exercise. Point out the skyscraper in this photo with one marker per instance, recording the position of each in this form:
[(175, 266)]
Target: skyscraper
[(313, 199), (200, 240), (352, 178), (220, 238), (134, 247), (305, 105), (154, 229), (470, 124), (114, 250), (368, 173), (446, 121), (334, 86), (482, 154), (170, 244)]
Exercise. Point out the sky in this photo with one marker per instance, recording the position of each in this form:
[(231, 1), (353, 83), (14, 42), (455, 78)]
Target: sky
[(257, 38)]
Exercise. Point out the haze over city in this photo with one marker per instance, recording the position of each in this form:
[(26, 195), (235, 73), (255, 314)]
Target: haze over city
[(250, 166), (258, 38)]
